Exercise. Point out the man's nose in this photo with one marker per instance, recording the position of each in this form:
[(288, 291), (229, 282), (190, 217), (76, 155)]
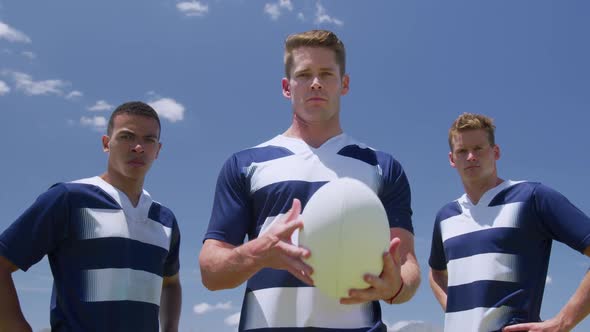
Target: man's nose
[(316, 84), (138, 148)]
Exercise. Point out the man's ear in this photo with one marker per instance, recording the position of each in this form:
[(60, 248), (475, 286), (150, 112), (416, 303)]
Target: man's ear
[(497, 153), (105, 143), (451, 160), (345, 84), (159, 148), (286, 88)]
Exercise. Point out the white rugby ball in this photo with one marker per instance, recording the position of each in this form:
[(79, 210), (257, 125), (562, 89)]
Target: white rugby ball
[(346, 229)]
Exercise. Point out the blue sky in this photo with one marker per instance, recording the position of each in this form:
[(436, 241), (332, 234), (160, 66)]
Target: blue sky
[(212, 69)]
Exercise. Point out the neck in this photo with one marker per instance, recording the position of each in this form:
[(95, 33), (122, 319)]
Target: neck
[(314, 134), (475, 190), (130, 187)]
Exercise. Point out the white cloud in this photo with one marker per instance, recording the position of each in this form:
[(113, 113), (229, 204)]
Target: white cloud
[(192, 8), (301, 17), (168, 108), (11, 34), (322, 17), (4, 88), (100, 106), (413, 326), (25, 83), (232, 320), (274, 10), (98, 123), (28, 54), (548, 280), (74, 94), (203, 308)]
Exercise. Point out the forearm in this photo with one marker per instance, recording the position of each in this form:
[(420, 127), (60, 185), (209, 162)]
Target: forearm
[(11, 316), (170, 304), (224, 266), (578, 306), (410, 273), (438, 282)]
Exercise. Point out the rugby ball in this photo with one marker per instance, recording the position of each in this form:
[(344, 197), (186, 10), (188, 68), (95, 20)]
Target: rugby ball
[(346, 229)]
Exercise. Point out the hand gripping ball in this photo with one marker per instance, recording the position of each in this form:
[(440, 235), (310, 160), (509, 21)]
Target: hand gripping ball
[(346, 229)]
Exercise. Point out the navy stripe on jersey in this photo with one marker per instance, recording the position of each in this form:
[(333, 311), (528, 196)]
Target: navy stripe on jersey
[(448, 211), (161, 214), (146, 321), (89, 196), (363, 154), (111, 252), (517, 193), (485, 294), (262, 154), (270, 278), (485, 241)]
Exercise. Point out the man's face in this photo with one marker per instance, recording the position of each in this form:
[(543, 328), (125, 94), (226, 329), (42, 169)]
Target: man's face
[(133, 145), (315, 85), (473, 156)]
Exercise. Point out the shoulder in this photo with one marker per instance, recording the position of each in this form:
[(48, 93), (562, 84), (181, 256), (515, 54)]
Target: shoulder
[(272, 149), (449, 210), (161, 214), (516, 191), (355, 149)]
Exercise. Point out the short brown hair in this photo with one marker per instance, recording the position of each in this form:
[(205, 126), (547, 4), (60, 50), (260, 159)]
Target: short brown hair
[(314, 38), (472, 121)]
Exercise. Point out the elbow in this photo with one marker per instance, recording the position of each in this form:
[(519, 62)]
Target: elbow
[(214, 282)]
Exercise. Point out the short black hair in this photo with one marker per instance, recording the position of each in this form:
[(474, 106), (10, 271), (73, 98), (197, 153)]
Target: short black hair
[(133, 108)]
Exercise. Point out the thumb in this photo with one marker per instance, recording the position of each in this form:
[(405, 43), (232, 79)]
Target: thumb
[(394, 250)]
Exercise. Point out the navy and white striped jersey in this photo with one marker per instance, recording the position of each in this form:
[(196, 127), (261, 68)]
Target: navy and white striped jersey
[(496, 252), (256, 186), (107, 257)]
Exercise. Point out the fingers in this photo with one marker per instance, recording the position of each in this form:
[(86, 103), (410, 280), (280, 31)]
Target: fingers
[(300, 270), (293, 251), (518, 327), (294, 212)]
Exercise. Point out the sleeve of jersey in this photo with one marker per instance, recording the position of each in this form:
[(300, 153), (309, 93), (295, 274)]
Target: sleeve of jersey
[(172, 265), (437, 259), (561, 219), (395, 195), (38, 230), (230, 214)]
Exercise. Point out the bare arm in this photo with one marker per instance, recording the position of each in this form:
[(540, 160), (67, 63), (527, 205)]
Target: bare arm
[(439, 280), (170, 303), (574, 311), (11, 316), (399, 264), (226, 266), (410, 270)]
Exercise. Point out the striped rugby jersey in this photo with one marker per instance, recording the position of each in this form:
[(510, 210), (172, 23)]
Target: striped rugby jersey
[(107, 257), (496, 252), (256, 186)]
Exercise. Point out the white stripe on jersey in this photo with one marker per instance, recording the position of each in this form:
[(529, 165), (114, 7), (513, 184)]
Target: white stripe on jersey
[(313, 165), (477, 319), (122, 285), (103, 223), (486, 216), (273, 308), (488, 266)]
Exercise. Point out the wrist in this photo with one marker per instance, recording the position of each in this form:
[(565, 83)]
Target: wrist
[(397, 293)]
